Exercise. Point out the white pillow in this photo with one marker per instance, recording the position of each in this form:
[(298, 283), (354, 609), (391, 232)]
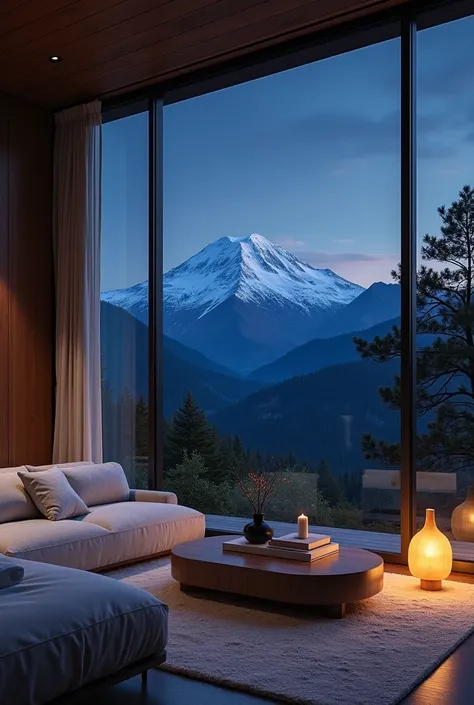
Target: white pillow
[(102, 483), (52, 494)]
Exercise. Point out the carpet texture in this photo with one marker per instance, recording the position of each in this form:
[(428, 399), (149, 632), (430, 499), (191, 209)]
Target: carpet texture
[(374, 656)]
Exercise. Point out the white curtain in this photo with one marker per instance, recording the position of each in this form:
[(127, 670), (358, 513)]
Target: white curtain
[(77, 205)]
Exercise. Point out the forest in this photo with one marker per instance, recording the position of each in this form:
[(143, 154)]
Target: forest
[(201, 466)]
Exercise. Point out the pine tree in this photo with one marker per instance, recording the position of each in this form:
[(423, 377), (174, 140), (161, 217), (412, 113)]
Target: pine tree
[(238, 449), (189, 433), (141, 428), (109, 412), (190, 481), (328, 485), (234, 457), (445, 364)]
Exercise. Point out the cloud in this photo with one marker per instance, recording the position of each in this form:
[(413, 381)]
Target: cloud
[(447, 79), (339, 171), (358, 267), (445, 56), (354, 137), (321, 258), (289, 243), (350, 135)]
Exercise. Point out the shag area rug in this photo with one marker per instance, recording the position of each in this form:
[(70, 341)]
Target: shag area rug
[(374, 656)]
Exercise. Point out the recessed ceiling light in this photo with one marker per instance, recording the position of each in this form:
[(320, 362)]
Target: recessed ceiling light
[(54, 58)]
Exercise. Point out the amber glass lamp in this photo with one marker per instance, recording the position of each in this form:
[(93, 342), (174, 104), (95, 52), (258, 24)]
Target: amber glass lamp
[(430, 556), (462, 520)]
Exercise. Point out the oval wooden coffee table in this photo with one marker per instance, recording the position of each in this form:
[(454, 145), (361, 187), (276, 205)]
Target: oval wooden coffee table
[(351, 575)]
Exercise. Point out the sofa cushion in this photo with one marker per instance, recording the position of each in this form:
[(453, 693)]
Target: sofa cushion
[(69, 543), (52, 494), (145, 528), (110, 534), (11, 573), (99, 484), (61, 629), (15, 503), (7, 471)]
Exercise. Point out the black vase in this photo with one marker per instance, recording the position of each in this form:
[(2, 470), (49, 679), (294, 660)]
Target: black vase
[(258, 531)]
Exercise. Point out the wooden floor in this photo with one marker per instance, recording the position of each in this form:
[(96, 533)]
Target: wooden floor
[(451, 684), (169, 689)]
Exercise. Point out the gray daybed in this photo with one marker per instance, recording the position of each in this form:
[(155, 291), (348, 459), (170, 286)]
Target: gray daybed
[(62, 629)]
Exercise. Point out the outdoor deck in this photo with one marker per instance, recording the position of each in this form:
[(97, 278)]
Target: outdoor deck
[(371, 540)]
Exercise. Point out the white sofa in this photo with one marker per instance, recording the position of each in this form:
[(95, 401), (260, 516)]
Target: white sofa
[(123, 525)]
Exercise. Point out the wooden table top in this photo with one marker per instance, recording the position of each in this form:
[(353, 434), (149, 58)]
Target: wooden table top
[(348, 561)]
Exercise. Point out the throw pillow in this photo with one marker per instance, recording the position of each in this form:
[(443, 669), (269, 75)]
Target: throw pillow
[(103, 483), (52, 494), (11, 573)]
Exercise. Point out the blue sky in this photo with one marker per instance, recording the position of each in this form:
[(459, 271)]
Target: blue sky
[(309, 158)]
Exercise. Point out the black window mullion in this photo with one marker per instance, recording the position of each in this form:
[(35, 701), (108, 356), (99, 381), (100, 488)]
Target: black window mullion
[(155, 294), (408, 283)]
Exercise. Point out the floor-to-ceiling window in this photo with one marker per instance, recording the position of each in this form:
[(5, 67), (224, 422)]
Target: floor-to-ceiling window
[(281, 344), (281, 229), (445, 314), (124, 298)]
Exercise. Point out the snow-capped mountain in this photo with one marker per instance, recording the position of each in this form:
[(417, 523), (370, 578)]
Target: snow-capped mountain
[(243, 302), (254, 270)]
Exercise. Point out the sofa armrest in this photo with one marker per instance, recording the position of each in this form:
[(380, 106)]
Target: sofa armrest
[(153, 496)]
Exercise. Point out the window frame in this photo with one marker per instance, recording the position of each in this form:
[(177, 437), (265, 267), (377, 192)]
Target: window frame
[(153, 107), (403, 22)]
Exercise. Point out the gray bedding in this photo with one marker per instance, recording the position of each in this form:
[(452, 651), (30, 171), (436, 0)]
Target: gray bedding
[(61, 628)]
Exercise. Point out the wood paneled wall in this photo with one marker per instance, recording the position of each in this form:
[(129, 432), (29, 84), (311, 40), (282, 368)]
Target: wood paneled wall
[(112, 47), (26, 283)]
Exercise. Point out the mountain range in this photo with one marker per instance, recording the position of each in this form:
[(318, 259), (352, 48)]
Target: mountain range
[(318, 353), (264, 342), (314, 416)]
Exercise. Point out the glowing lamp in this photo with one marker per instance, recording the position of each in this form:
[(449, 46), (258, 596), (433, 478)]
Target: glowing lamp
[(462, 520), (430, 556)]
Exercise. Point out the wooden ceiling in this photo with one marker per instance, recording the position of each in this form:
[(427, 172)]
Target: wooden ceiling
[(111, 47)]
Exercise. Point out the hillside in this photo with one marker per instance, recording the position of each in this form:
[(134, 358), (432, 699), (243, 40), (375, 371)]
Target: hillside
[(320, 415), (125, 367), (194, 357), (318, 353), (379, 303)]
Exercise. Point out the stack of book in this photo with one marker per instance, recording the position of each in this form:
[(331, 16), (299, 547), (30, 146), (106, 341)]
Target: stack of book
[(311, 549)]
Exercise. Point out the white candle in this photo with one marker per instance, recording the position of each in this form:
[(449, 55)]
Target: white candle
[(302, 527)]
